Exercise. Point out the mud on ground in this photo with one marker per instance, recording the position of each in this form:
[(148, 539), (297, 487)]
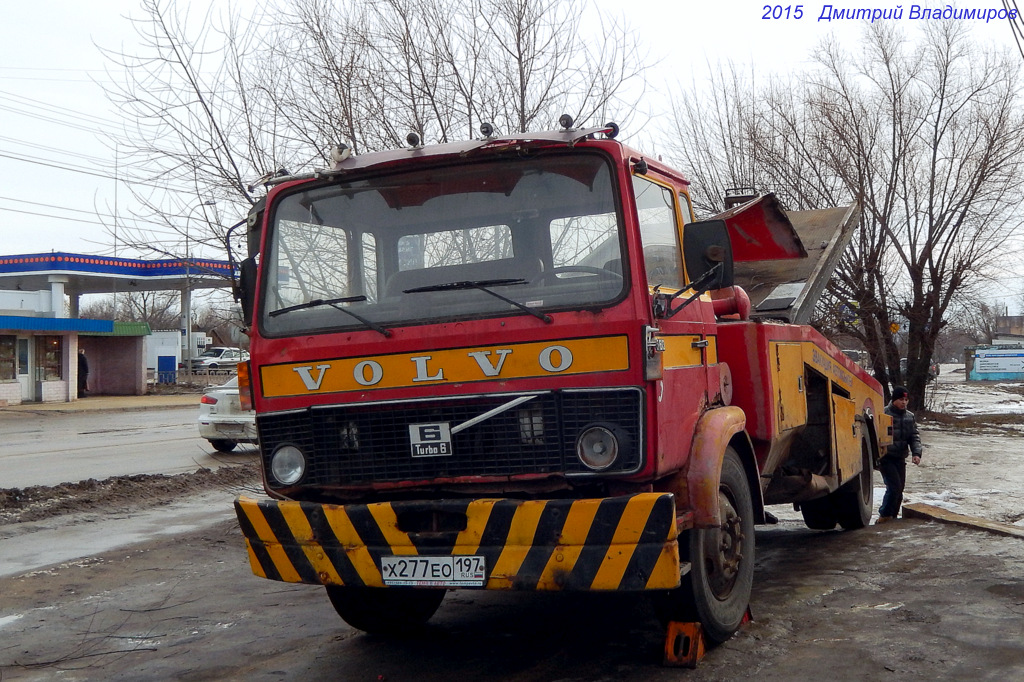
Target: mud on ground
[(121, 493)]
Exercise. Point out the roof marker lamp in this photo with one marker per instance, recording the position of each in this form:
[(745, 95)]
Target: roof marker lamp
[(340, 152)]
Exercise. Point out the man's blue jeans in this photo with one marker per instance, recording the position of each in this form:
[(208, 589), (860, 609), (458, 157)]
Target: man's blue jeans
[(894, 473)]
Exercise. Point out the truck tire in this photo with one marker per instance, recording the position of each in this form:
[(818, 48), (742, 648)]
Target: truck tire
[(716, 591), (385, 611), (819, 514), (855, 498), (850, 505), (223, 445)]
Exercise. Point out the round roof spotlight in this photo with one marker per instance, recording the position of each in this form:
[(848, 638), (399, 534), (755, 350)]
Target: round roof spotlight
[(413, 139), (287, 464), (340, 152), (565, 120), (612, 130), (598, 446), (487, 129)]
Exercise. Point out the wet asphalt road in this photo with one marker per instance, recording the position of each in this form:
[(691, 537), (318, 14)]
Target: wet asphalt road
[(908, 600)]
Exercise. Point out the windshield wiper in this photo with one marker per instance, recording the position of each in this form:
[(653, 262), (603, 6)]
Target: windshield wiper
[(482, 285), (333, 302)]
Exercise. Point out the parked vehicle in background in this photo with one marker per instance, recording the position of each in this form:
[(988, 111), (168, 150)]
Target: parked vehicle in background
[(222, 421), (933, 369), (219, 358)]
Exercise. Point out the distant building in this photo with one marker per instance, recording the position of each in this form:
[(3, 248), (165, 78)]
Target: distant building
[(1009, 329)]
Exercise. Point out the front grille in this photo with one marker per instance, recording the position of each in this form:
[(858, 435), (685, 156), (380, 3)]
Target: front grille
[(361, 444)]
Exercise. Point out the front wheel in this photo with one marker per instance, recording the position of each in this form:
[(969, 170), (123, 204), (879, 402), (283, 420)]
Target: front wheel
[(716, 591), (385, 611)]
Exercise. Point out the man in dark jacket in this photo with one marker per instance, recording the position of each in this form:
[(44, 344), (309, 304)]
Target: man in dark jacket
[(893, 465), (83, 373)]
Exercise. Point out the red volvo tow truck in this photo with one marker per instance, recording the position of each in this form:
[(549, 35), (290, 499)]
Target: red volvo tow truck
[(520, 363)]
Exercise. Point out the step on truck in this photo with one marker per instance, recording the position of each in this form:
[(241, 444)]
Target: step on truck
[(520, 363)]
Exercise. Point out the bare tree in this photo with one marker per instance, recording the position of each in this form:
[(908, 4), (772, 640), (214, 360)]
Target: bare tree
[(158, 308), (929, 140), (212, 103)]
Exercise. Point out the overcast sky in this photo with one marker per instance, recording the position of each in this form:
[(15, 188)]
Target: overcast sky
[(57, 188)]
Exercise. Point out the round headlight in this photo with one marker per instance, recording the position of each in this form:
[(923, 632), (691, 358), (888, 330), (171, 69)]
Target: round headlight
[(597, 447), (287, 464)]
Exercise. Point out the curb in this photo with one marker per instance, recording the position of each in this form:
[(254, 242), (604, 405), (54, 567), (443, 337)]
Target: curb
[(920, 510), (106, 404)]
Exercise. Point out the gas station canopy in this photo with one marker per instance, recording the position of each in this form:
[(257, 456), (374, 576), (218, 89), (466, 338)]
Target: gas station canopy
[(82, 274)]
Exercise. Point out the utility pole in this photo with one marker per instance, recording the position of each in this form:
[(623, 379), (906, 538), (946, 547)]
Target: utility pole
[(186, 298)]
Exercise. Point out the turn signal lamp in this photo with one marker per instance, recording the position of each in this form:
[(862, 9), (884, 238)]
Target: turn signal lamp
[(244, 386)]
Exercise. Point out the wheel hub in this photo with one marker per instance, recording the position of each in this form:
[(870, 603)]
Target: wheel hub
[(723, 549)]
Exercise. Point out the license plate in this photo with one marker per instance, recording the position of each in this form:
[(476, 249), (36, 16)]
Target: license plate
[(434, 571)]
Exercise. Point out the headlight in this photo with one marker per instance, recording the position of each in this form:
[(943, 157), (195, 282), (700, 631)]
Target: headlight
[(287, 464), (598, 447)]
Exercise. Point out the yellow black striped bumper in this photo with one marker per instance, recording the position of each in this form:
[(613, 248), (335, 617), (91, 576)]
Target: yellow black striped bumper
[(616, 543)]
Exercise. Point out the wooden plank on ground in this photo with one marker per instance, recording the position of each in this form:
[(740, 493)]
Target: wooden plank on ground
[(920, 510)]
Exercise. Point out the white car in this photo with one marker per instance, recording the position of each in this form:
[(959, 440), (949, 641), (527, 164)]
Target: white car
[(219, 358), (222, 421)]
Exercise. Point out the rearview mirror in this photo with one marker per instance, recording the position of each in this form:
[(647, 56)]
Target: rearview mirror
[(245, 290), (706, 245)]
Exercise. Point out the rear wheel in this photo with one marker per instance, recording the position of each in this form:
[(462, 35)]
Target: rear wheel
[(385, 611), (223, 445), (854, 500), (716, 591), (819, 514), (850, 505)]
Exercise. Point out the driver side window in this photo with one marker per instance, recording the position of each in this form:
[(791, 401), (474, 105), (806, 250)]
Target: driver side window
[(659, 233)]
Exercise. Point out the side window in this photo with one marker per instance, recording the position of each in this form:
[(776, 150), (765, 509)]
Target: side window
[(659, 233), (686, 208)]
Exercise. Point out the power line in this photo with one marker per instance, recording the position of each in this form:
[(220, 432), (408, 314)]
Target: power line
[(35, 115), (62, 208), (155, 230), (106, 176), (59, 152), (54, 108)]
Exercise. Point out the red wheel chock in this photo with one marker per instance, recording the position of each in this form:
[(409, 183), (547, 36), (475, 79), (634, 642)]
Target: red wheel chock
[(685, 645)]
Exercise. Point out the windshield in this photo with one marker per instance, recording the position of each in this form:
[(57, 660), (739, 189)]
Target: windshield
[(496, 238)]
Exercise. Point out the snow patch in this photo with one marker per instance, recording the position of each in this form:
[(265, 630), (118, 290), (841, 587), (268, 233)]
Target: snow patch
[(7, 620)]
